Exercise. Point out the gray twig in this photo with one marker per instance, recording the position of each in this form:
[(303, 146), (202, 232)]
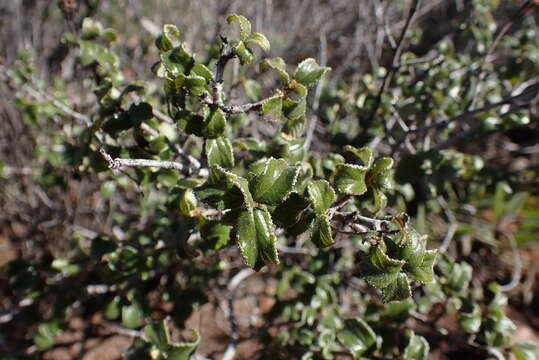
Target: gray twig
[(231, 109), (230, 351), (517, 269), (316, 101), (386, 81), (121, 330), (354, 223), (453, 225), (40, 96), (526, 94), (118, 163)]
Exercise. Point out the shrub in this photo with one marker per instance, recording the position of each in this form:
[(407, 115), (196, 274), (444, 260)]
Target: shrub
[(231, 172)]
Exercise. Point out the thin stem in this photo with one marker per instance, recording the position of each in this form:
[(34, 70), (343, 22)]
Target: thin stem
[(118, 163), (40, 96), (231, 109), (316, 101), (453, 225), (517, 269), (236, 280), (388, 78), (354, 223)]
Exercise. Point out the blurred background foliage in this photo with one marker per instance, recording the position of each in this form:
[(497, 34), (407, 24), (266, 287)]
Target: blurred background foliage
[(89, 256)]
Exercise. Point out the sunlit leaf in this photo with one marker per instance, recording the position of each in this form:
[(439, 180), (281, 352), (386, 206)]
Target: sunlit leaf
[(309, 72), (321, 233), (321, 194), (350, 179), (417, 349), (278, 65), (379, 269), (356, 336), (274, 182), (255, 238), (245, 25), (399, 289), (219, 152), (260, 40)]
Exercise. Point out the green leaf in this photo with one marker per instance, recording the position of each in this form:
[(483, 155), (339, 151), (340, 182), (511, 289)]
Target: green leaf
[(245, 25), (321, 232), (183, 350), (243, 52), (196, 84), (273, 106), (110, 35), (459, 277), (219, 152), (411, 246), (202, 71), (255, 238), (278, 65), (380, 172), (91, 28), (289, 212), (294, 128), (417, 349), (499, 330), (274, 182), (321, 194), (526, 351), (136, 114), (350, 179), (379, 269), (65, 267), (139, 350), (356, 336), (293, 109), (252, 89), (46, 333), (214, 125), (304, 177), (299, 90), (169, 39), (90, 52), (398, 311), (112, 310), (157, 334), (260, 40), (469, 316), (309, 72), (293, 150), (364, 154), (380, 199), (132, 316), (189, 122), (425, 271), (229, 182), (302, 225), (215, 234), (163, 44), (159, 70), (399, 289), (188, 202), (177, 61), (172, 34)]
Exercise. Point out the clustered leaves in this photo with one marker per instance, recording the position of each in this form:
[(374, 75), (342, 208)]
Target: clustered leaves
[(259, 194), (276, 191)]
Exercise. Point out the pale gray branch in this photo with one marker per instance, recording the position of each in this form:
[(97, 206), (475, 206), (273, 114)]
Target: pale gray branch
[(118, 163), (517, 268)]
